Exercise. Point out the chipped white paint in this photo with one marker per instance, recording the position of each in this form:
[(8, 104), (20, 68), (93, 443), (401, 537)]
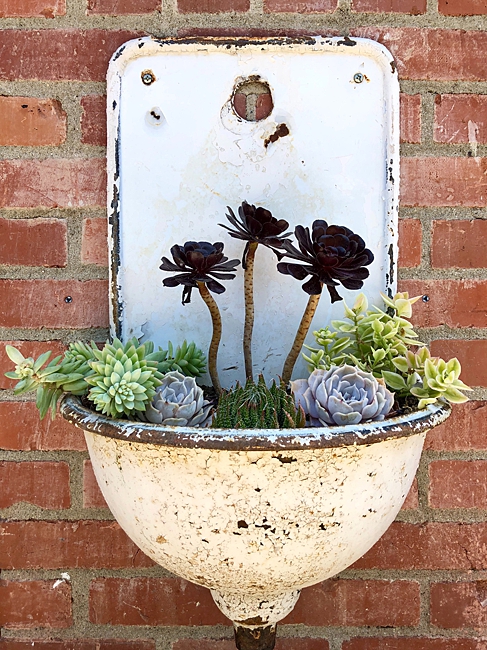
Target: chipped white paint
[(170, 179), (255, 526)]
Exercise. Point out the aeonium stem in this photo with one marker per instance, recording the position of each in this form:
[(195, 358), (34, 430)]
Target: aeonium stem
[(249, 308), (217, 334), (303, 329)]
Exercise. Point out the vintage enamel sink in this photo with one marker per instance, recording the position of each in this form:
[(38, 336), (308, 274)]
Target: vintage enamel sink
[(253, 515)]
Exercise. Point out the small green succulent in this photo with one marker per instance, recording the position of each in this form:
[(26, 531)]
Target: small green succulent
[(123, 380), (63, 374), (187, 359), (440, 382), (255, 406)]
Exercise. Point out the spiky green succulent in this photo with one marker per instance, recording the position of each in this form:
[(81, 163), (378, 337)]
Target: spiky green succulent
[(255, 406), (123, 380)]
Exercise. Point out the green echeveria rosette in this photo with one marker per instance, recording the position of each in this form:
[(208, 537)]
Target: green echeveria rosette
[(123, 381)]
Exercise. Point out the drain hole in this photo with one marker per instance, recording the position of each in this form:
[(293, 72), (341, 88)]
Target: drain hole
[(155, 116), (252, 99)]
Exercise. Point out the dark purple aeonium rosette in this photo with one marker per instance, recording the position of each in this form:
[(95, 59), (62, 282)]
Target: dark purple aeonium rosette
[(197, 265), (256, 225), (332, 255), (198, 262)]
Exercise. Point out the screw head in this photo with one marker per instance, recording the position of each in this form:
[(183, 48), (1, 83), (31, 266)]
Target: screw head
[(148, 77), (358, 77), (68, 299), (425, 298)]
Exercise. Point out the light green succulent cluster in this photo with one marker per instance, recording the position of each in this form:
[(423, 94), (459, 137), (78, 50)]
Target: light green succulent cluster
[(75, 371), (123, 379), (379, 341), (369, 339), (427, 378)]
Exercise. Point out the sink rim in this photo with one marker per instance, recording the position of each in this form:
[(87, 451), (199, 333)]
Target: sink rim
[(253, 439)]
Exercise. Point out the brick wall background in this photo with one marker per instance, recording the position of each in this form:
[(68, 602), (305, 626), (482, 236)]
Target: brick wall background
[(70, 579)]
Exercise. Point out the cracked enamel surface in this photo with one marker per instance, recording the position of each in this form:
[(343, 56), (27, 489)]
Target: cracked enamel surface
[(255, 526)]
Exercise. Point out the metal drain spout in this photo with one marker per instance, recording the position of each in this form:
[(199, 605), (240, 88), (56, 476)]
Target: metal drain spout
[(255, 638)]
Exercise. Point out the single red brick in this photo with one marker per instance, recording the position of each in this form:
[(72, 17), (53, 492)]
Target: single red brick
[(462, 7), (52, 183), (410, 118), (22, 430), (412, 499), (240, 104), (458, 484), (358, 602), (212, 6), (53, 303), (28, 121), (122, 7), (28, 349), (461, 118), (465, 429), (414, 7), (152, 601), (32, 8), (456, 303), (76, 644), (410, 242), (59, 54), (42, 483), (458, 605), (263, 106), (94, 120), (35, 603), (67, 544), (473, 359), (432, 545), (33, 242), (433, 54), (459, 244), (448, 181), (229, 644), (94, 243), (92, 496), (300, 6), (411, 643)]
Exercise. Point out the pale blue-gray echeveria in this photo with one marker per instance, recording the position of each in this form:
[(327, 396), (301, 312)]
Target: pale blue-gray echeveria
[(179, 401), (342, 395)]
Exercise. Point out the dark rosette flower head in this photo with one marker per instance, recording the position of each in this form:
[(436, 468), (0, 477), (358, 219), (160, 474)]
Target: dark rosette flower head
[(256, 225), (332, 255), (198, 262)]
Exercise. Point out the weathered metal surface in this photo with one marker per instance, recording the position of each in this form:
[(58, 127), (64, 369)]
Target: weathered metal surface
[(178, 154), (258, 638), (256, 526), (253, 439)]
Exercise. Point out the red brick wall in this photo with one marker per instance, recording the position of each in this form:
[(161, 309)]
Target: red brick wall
[(70, 579)]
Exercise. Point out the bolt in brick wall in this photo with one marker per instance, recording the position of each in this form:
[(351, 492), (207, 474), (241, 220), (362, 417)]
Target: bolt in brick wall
[(70, 577)]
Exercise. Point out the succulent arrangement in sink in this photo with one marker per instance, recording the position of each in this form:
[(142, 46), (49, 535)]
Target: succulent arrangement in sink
[(366, 367)]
